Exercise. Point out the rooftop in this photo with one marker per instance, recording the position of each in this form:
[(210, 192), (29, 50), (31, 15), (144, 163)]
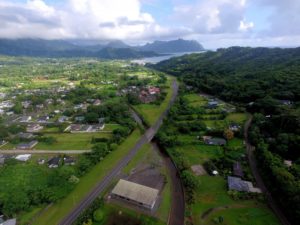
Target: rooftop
[(136, 192)]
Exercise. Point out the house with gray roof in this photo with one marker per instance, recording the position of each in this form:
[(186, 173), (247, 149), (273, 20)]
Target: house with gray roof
[(237, 184)]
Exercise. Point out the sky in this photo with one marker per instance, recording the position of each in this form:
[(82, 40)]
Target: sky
[(214, 23)]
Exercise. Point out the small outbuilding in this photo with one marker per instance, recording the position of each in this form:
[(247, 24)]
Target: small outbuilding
[(136, 194), (237, 184)]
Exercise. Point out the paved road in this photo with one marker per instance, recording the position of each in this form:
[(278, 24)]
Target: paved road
[(44, 151), (99, 188), (260, 183)]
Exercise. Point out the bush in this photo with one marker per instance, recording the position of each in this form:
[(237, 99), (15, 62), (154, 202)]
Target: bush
[(98, 215)]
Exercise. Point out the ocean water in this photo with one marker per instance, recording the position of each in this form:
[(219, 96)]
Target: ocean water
[(158, 59)]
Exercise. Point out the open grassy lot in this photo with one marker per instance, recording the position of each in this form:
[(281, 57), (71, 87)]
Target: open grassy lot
[(58, 210), (195, 100), (198, 154), (151, 112), (68, 141), (237, 117)]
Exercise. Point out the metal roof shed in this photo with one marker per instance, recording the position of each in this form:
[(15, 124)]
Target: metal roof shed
[(135, 193)]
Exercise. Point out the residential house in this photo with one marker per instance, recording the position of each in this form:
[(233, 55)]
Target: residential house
[(27, 146), (97, 102), (8, 222), (237, 184), (63, 119), (23, 158), (153, 90), (6, 104), (214, 141), (69, 161), (40, 106), (2, 159), (288, 163), (212, 104), (34, 128), (49, 101), (234, 127), (79, 119), (41, 161), (25, 135), (54, 162), (25, 119), (43, 119), (80, 128), (26, 104)]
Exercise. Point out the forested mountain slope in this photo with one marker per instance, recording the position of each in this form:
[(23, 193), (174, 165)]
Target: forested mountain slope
[(241, 74)]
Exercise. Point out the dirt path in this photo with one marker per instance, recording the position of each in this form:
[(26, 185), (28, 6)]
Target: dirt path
[(260, 183)]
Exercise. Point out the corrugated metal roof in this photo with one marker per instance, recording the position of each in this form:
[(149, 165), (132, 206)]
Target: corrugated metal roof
[(136, 192)]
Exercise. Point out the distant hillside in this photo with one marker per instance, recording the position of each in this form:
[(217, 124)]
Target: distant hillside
[(124, 53), (80, 48), (117, 44), (61, 48), (174, 46), (241, 74)]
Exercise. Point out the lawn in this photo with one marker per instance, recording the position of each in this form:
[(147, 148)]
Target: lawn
[(59, 210), (212, 193), (197, 154), (195, 100), (151, 112), (237, 117), (68, 141), (248, 214), (215, 124)]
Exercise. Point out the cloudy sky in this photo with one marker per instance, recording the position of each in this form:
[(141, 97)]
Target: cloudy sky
[(214, 23)]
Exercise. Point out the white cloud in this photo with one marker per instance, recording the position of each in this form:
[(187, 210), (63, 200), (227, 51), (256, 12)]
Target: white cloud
[(245, 26), (93, 19), (217, 16)]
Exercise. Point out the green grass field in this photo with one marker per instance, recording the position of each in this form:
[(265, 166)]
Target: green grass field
[(195, 100), (198, 154), (68, 141), (59, 210), (237, 117)]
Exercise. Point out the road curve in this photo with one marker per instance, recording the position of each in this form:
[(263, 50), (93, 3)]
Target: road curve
[(260, 183), (99, 188)]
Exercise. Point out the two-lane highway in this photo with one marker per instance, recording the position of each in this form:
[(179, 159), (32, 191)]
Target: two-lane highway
[(100, 187)]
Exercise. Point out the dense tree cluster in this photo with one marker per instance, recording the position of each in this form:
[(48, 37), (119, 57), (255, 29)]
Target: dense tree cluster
[(241, 74)]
